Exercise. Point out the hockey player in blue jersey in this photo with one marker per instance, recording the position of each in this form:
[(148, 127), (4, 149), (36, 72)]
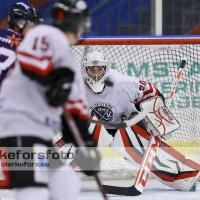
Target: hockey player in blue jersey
[(20, 17)]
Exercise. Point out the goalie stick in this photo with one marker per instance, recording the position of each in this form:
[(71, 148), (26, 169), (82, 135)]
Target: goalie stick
[(78, 138), (128, 123), (149, 156)]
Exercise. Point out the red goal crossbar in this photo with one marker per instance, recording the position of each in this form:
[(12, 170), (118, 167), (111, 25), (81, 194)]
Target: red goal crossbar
[(140, 41)]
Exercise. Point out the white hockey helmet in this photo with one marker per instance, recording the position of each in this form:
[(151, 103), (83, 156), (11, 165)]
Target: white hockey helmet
[(95, 59)]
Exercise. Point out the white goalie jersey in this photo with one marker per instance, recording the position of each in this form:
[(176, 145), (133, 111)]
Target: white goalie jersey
[(114, 102), (22, 100)]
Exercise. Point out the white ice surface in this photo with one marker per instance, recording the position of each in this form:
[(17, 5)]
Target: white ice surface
[(154, 190)]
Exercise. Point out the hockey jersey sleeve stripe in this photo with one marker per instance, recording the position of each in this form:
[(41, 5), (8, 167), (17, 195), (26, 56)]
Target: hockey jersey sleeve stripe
[(153, 94), (37, 70), (78, 108), (79, 113), (150, 90), (150, 93), (40, 65), (78, 101), (78, 105), (34, 57)]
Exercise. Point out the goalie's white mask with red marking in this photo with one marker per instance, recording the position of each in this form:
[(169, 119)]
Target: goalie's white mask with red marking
[(95, 70)]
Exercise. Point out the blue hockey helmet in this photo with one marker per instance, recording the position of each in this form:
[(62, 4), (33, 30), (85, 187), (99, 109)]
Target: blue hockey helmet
[(21, 13)]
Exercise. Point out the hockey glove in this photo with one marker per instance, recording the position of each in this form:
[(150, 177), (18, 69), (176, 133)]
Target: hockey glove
[(88, 163), (58, 93)]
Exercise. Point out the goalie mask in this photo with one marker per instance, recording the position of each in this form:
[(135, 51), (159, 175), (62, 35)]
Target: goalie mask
[(95, 70)]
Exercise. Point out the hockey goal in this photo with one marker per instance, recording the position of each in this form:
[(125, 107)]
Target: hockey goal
[(157, 60)]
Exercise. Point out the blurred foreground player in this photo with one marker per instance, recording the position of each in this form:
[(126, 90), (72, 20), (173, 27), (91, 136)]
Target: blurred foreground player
[(45, 76), (21, 17)]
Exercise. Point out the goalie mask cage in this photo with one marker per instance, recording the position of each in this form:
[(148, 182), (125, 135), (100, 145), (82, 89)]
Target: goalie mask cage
[(157, 60)]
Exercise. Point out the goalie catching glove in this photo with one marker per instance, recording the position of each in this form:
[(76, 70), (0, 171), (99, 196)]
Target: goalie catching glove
[(89, 163), (159, 121)]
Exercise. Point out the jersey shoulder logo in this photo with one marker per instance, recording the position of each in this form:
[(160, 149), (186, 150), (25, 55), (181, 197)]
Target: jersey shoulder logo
[(103, 111), (14, 40)]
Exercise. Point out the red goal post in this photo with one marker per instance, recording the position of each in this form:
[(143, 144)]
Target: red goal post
[(157, 59)]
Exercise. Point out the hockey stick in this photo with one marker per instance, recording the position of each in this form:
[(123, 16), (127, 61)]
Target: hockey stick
[(149, 156), (127, 123), (79, 140)]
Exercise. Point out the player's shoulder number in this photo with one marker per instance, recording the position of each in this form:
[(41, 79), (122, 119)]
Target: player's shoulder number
[(41, 43)]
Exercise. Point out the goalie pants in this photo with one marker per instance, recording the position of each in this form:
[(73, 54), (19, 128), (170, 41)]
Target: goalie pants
[(32, 166)]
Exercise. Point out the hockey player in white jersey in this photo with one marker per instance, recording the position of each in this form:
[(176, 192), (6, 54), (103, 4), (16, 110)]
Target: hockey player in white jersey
[(46, 75), (113, 104)]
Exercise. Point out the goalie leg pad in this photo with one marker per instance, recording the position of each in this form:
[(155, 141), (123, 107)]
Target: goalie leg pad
[(170, 167), (128, 146), (185, 181), (100, 135)]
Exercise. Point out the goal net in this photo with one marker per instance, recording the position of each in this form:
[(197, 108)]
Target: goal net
[(157, 60)]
